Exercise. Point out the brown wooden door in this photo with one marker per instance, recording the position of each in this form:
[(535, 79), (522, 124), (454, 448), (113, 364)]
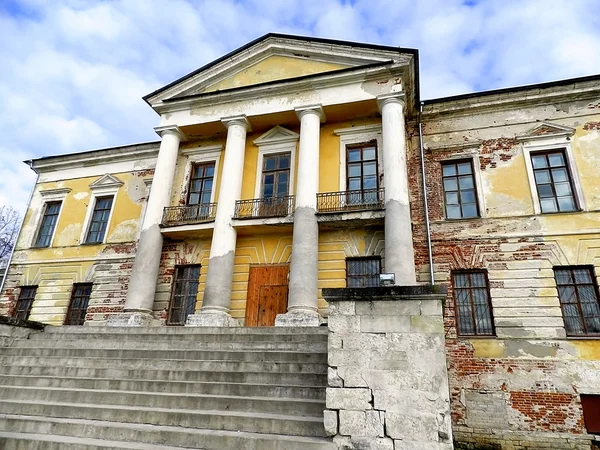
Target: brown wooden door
[(267, 294)]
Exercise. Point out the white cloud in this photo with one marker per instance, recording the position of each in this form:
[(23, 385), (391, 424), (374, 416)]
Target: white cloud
[(74, 71)]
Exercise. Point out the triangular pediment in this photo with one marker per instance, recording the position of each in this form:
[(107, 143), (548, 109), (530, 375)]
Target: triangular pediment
[(274, 58), (546, 130), (106, 181), (277, 135)]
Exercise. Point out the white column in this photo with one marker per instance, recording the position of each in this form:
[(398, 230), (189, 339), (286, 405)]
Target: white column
[(217, 292), (303, 291), (399, 251), (142, 285)]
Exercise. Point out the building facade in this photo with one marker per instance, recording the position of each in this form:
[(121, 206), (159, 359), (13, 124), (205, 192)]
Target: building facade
[(297, 164)]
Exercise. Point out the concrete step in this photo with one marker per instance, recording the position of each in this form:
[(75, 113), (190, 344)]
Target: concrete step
[(144, 434), (199, 402), (166, 364), (224, 376), (31, 441), (214, 420), (302, 331), (197, 355), (173, 344), (173, 387)]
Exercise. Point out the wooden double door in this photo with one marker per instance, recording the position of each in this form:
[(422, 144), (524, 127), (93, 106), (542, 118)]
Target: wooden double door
[(267, 294)]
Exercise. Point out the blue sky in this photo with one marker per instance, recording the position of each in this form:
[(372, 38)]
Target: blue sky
[(74, 71)]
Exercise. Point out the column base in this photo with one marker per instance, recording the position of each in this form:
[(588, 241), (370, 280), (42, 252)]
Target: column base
[(211, 319), (133, 319), (299, 318)]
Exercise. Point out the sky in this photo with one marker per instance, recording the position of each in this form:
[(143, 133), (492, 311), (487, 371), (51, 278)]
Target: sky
[(73, 72)]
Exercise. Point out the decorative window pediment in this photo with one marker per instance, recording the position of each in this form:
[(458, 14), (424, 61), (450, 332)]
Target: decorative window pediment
[(277, 135), (546, 130), (106, 181)]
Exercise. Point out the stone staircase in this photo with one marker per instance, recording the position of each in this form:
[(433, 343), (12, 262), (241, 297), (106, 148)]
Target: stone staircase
[(163, 388)]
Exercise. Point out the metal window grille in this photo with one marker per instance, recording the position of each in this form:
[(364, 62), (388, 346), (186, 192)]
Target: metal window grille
[(48, 224), (460, 196), (80, 298), (183, 294), (578, 295), (363, 272), (99, 220), (473, 304), (553, 182), (25, 302)]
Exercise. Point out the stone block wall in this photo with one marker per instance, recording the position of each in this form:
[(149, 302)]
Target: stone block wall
[(388, 384)]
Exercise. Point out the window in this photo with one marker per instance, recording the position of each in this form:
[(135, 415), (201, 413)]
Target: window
[(363, 272), (25, 301), (80, 297), (99, 221), (578, 295), (472, 303), (201, 183), (183, 294), (44, 237), (361, 173), (591, 412), (276, 175), (553, 182), (460, 196)]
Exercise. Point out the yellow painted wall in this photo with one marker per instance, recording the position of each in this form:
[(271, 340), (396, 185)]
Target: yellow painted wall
[(274, 68)]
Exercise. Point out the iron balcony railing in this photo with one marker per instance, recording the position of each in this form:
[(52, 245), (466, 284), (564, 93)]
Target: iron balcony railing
[(189, 214), (366, 199), (264, 207)]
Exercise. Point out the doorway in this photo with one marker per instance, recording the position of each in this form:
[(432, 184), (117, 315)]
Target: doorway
[(267, 294), (183, 294)]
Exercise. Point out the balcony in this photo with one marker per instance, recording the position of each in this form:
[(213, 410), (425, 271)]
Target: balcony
[(189, 214), (259, 208), (348, 201)]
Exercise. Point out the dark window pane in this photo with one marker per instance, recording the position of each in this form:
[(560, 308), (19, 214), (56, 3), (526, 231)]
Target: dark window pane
[(25, 302)]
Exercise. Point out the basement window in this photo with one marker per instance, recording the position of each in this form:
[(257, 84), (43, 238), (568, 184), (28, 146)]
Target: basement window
[(591, 412), (25, 302), (80, 298), (578, 295), (363, 272), (473, 306)]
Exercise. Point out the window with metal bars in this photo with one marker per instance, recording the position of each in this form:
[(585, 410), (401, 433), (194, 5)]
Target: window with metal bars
[(553, 182), (460, 196), (578, 295), (183, 294), (473, 306), (99, 221), (201, 183), (80, 298), (363, 272), (44, 237), (25, 302)]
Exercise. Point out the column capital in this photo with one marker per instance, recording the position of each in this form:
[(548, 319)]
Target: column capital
[(240, 119), (313, 109), (392, 97), (171, 129)]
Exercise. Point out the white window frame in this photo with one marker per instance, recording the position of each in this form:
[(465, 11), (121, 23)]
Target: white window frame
[(49, 195), (200, 155), (563, 143), (105, 186), (473, 156), (276, 140), (360, 135)]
